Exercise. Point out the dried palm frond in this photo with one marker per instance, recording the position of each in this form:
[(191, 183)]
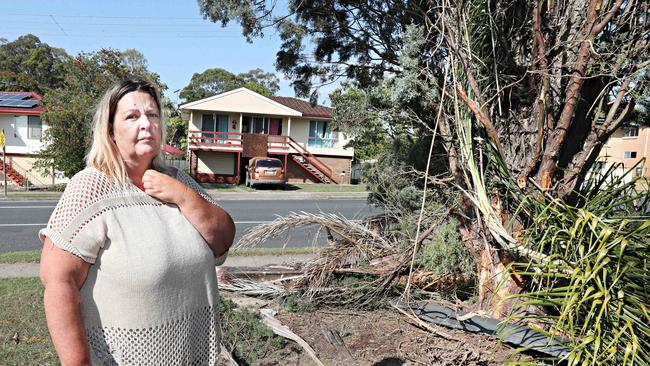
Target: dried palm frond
[(266, 289), (339, 226)]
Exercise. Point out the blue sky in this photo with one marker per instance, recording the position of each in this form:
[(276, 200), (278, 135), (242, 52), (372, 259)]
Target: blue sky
[(172, 35)]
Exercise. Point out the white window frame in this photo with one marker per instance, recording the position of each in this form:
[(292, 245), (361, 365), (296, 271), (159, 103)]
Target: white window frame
[(31, 130), (631, 131)]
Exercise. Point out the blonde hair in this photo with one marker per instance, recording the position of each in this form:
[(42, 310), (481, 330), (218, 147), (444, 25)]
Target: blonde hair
[(103, 154)]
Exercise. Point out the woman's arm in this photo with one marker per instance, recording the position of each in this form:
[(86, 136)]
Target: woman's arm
[(213, 222), (62, 274)]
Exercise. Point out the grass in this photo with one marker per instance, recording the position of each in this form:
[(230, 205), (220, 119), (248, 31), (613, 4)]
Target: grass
[(21, 311), (226, 187), (34, 256), (27, 256), (329, 187)]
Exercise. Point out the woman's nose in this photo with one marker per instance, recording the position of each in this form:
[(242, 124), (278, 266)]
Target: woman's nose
[(144, 122)]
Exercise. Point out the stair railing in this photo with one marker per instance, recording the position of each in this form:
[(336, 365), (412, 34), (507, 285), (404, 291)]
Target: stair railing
[(27, 174), (313, 160)]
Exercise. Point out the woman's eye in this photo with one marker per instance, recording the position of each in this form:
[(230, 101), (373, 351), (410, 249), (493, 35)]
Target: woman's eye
[(152, 115), (131, 116)]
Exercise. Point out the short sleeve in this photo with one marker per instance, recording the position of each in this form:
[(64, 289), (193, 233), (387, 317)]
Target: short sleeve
[(188, 181), (77, 224)]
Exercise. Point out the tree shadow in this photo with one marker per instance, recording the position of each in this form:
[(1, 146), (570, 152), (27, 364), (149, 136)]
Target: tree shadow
[(389, 361)]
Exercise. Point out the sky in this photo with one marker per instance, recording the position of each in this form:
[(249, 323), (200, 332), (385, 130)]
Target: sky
[(176, 41)]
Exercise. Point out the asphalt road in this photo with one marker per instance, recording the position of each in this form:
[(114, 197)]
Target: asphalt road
[(21, 220)]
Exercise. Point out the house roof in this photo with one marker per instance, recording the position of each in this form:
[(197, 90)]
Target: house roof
[(270, 105), (307, 109), (36, 109), (169, 149)]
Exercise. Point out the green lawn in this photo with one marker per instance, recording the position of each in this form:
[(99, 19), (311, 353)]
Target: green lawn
[(328, 187), (21, 311), (28, 256), (34, 256)]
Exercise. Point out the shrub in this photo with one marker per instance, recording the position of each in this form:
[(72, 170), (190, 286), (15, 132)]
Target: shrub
[(244, 334)]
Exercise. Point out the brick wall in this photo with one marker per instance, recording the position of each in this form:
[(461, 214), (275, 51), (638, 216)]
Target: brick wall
[(297, 174), (338, 165)]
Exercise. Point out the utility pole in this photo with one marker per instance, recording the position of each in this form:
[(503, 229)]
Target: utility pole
[(4, 158)]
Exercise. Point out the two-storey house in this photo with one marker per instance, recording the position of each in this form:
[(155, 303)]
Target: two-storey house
[(20, 120), (228, 129), (628, 145)]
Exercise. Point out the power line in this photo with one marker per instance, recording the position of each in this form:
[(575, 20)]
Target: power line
[(60, 27), (98, 16), (105, 31), (98, 35), (139, 24)]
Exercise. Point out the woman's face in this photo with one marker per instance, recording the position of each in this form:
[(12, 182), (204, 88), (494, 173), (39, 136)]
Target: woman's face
[(136, 128)]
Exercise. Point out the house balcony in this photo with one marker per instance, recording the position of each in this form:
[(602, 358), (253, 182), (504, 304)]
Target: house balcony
[(234, 142)]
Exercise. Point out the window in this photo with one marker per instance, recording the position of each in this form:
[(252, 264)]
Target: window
[(213, 123), (630, 155), (268, 164), (246, 124), (255, 125), (321, 134), (34, 127), (260, 125), (631, 131)]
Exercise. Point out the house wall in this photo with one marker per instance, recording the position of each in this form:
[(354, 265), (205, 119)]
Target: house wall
[(15, 128), (37, 177), (297, 174), (195, 120), (339, 165), (615, 148), (300, 133), (217, 163)]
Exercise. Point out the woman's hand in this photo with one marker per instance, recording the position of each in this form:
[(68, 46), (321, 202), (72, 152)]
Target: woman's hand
[(164, 187), (213, 223)]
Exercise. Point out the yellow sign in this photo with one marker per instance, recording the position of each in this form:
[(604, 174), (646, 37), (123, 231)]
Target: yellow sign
[(2, 139)]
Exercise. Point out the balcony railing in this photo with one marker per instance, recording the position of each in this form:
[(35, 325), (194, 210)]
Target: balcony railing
[(229, 140), (322, 143), (232, 141)]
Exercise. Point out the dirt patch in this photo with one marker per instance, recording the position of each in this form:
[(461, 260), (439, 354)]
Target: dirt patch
[(381, 338)]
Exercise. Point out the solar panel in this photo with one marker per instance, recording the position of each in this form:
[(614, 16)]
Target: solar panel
[(28, 103), (14, 96), (18, 103)]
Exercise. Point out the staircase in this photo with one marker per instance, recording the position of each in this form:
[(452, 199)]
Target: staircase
[(311, 163), (311, 169), (12, 175)]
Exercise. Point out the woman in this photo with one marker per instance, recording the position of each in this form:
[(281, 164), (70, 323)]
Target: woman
[(128, 262)]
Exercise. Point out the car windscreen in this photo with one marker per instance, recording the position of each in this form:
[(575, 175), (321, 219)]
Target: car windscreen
[(268, 164)]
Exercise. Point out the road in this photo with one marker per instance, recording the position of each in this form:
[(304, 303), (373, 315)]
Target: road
[(21, 220)]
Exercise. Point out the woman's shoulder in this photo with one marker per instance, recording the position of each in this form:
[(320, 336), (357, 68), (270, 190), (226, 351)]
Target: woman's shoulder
[(91, 182)]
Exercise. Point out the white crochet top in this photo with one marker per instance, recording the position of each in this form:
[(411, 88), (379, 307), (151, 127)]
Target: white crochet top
[(150, 297)]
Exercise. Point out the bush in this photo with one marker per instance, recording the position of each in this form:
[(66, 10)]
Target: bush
[(59, 187), (244, 334), (445, 253)]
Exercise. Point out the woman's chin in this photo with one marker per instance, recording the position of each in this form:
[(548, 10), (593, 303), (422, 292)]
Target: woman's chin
[(148, 154)]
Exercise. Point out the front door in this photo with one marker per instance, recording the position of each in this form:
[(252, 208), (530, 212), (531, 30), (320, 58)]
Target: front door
[(275, 126)]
